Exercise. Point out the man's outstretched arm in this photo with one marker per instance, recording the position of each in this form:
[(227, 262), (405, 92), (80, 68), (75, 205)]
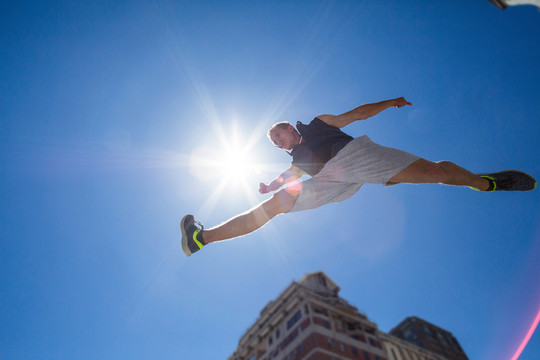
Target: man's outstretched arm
[(289, 175), (362, 112)]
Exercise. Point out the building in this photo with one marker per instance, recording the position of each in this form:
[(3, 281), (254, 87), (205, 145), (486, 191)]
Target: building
[(430, 337), (398, 349), (310, 321), (503, 4)]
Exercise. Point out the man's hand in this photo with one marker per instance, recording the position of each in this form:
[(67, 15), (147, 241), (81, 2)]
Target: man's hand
[(289, 175), (263, 188), (401, 102)]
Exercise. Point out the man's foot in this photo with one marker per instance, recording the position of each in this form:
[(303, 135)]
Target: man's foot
[(510, 180), (191, 235)]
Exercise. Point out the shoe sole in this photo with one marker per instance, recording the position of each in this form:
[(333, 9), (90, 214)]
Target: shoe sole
[(185, 246), (517, 171)]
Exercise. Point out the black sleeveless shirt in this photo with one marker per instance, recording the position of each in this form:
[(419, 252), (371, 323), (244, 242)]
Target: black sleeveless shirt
[(321, 143)]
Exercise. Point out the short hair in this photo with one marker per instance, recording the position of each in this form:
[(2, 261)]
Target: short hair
[(280, 125)]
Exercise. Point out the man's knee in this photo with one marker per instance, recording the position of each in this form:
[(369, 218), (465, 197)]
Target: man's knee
[(440, 172), (433, 172), (281, 202)]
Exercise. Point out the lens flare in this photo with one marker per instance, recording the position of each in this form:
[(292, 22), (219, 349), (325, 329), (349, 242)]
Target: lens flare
[(527, 337)]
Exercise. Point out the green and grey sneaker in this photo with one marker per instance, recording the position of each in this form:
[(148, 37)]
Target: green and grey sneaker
[(192, 240), (510, 180)]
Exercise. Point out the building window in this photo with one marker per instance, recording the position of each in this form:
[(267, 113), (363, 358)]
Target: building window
[(366, 355), (330, 342), (320, 311), (342, 347), (277, 334), (410, 335), (428, 332), (376, 343), (294, 319), (301, 348), (326, 324), (442, 339), (354, 351)]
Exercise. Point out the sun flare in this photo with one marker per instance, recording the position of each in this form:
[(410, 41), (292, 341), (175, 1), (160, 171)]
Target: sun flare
[(231, 161), (234, 163)]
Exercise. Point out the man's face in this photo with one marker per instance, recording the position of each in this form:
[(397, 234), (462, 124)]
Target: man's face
[(284, 138)]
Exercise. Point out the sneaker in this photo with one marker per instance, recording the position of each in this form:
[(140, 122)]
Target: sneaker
[(511, 180), (190, 229)]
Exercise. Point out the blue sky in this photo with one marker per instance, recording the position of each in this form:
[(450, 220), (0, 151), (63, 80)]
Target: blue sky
[(110, 112)]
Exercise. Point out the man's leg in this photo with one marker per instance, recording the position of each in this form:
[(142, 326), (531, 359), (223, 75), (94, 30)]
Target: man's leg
[(281, 202), (445, 172), (194, 237)]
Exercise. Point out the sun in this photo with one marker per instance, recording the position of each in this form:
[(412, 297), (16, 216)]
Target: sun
[(230, 163), (236, 163), (233, 163)]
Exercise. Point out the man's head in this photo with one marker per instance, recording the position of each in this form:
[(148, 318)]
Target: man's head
[(283, 135)]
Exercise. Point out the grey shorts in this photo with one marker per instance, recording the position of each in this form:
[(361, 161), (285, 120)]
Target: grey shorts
[(360, 162)]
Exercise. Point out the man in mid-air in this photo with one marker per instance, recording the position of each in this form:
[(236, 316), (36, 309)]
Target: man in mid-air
[(339, 165)]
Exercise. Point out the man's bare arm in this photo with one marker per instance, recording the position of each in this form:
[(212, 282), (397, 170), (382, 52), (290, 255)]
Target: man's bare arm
[(289, 175), (362, 112)]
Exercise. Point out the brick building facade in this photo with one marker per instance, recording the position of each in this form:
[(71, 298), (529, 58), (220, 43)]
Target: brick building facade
[(310, 321)]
